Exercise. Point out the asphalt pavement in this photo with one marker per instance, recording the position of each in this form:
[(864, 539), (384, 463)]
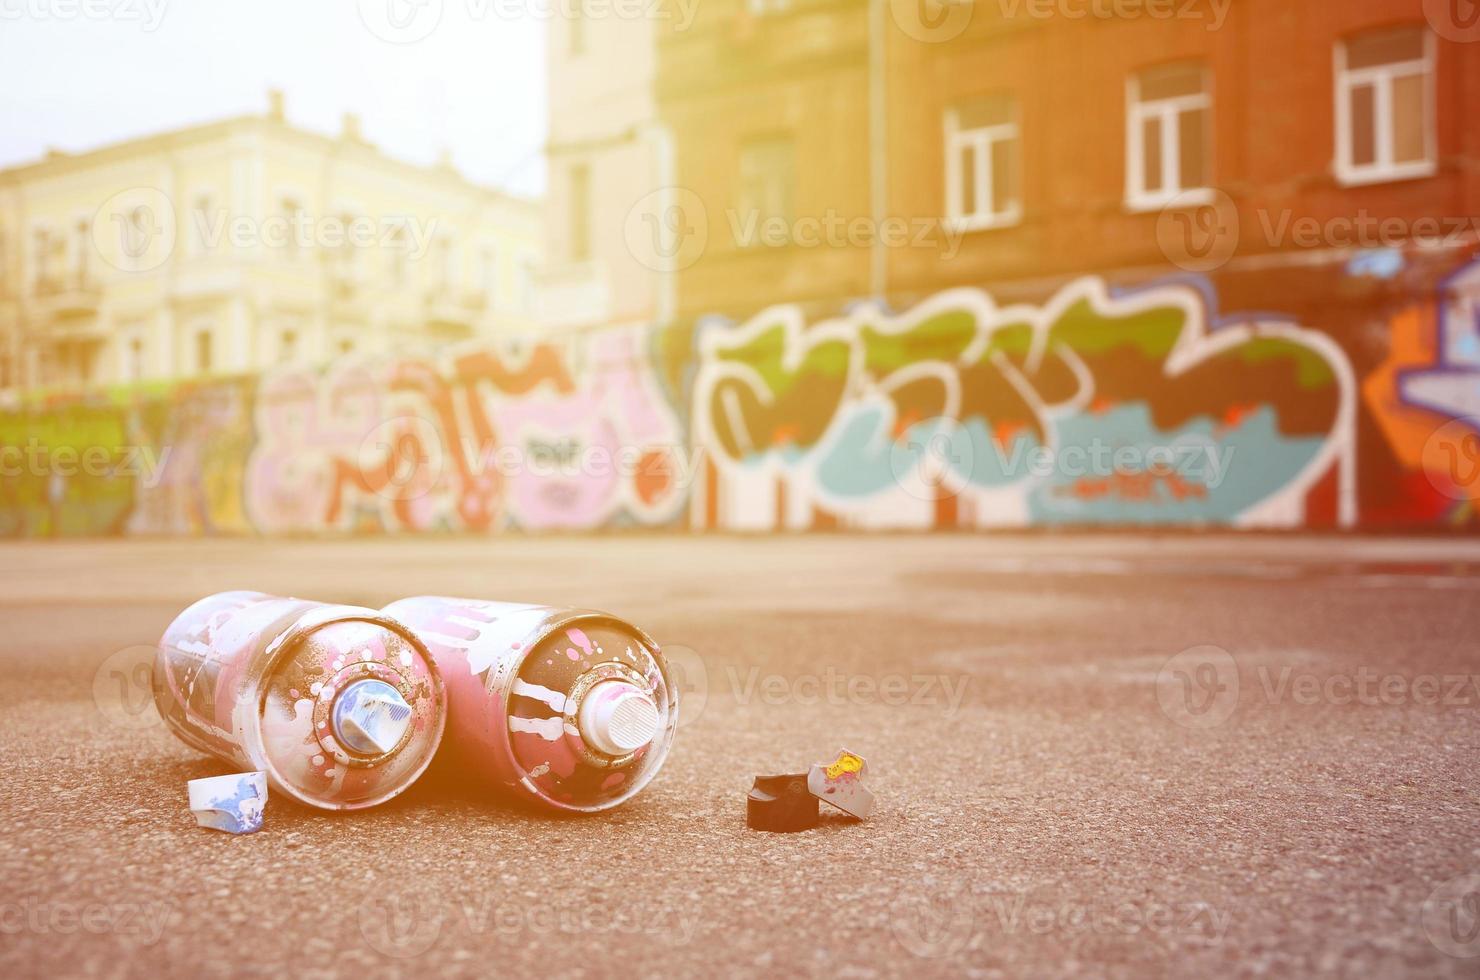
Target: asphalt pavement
[(1110, 755)]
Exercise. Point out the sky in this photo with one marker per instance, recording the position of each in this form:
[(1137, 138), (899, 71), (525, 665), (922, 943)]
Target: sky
[(467, 76)]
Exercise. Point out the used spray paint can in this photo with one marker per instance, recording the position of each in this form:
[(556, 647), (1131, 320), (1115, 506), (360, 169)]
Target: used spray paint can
[(342, 707), (572, 708)]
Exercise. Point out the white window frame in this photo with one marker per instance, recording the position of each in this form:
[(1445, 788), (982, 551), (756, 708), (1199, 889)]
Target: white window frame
[(1169, 111), (1381, 77), (39, 255), (981, 139), (773, 195)]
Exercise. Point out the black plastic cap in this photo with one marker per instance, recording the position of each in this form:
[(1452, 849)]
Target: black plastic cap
[(781, 804)]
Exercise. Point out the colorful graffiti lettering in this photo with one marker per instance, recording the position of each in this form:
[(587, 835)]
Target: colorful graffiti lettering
[(1425, 397), (1093, 408), (1096, 407), (489, 438)]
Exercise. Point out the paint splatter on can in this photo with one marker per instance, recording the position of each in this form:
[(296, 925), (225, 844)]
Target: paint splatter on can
[(572, 708), (342, 707)]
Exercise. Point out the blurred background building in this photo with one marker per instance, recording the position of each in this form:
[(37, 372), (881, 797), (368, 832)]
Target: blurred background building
[(606, 150), (247, 243), (1049, 142)]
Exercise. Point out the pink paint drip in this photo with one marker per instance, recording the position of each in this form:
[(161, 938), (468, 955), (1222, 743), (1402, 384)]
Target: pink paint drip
[(580, 639)]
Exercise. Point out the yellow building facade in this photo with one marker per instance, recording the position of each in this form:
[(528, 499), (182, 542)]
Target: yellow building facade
[(239, 245)]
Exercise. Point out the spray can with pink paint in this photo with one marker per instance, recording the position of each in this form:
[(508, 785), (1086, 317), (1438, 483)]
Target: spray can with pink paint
[(574, 709), (342, 707)]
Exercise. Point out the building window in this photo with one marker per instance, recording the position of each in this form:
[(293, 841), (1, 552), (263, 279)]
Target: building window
[(202, 219), (43, 270), (292, 213), (527, 295), (982, 164), (1385, 106), (448, 265), (767, 177), (488, 274), (136, 359), (203, 351), (1168, 135), (346, 254), (398, 255), (82, 250), (580, 213)]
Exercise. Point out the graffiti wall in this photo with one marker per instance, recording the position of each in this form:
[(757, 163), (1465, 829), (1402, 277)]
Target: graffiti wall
[(1426, 399), (1096, 407)]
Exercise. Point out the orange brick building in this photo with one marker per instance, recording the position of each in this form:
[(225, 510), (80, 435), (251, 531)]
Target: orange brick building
[(1048, 138)]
